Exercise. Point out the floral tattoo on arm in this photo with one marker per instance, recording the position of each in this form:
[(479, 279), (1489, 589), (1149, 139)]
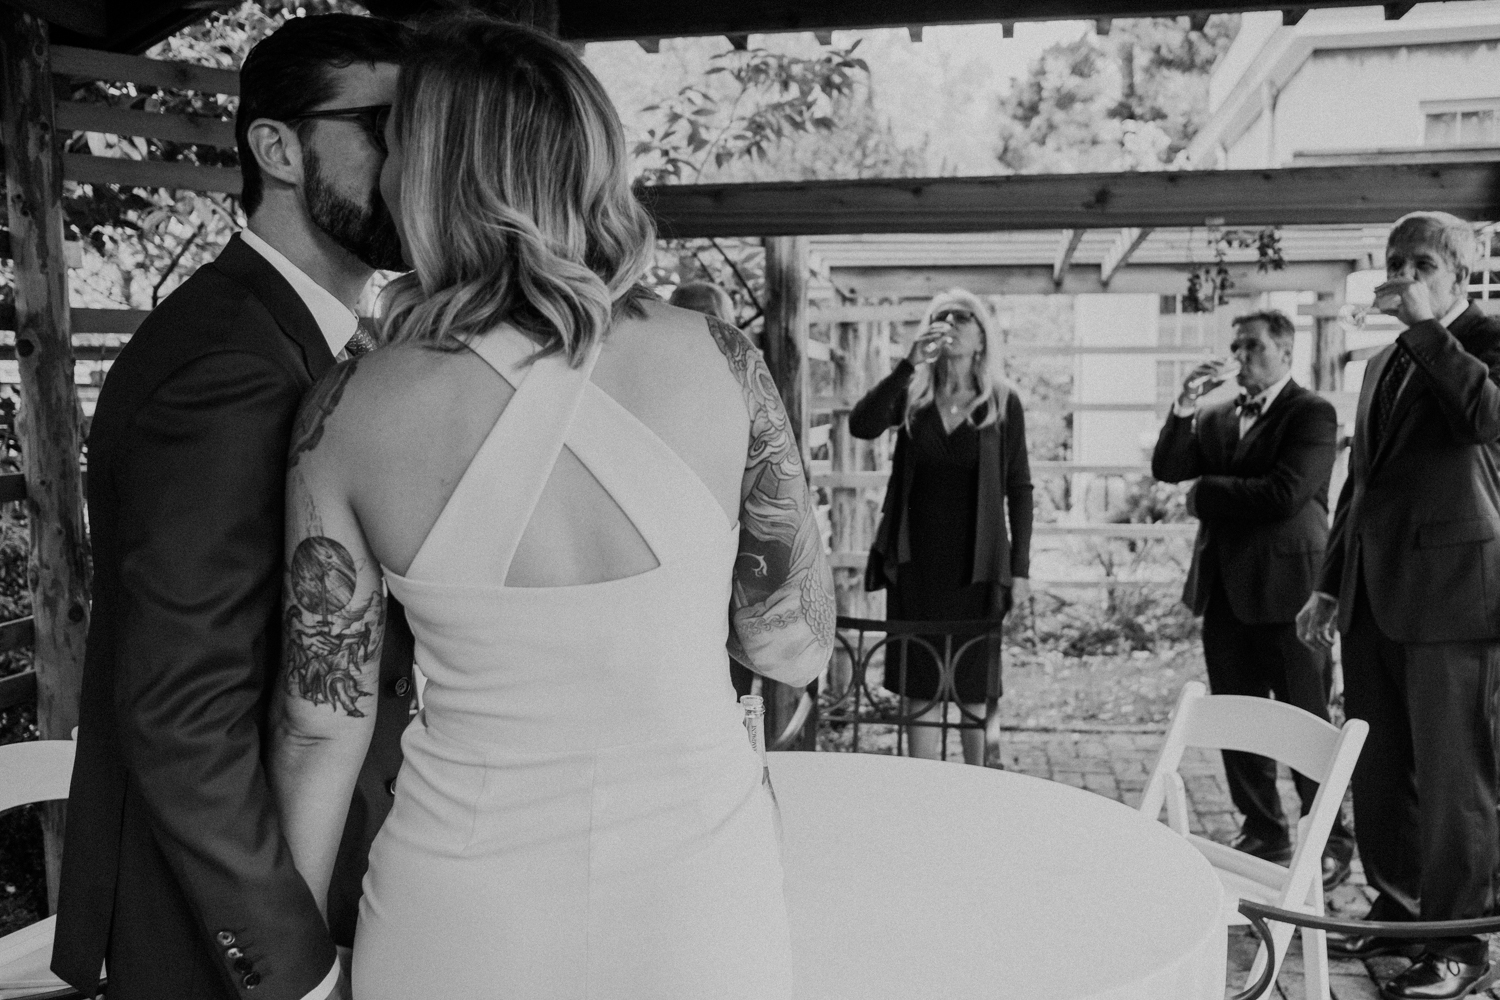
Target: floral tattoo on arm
[(781, 549)]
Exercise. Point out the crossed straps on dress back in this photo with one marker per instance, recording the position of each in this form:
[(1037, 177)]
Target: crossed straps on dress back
[(556, 405)]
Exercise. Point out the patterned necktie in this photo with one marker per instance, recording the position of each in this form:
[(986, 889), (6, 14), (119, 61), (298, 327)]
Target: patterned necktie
[(1391, 382), (363, 340), (1249, 408)]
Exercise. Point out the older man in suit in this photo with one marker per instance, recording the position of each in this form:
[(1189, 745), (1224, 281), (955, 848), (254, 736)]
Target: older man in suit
[(1412, 579), (1261, 463), (176, 872)]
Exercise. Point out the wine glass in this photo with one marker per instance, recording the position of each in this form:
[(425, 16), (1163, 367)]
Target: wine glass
[(1354, 315)]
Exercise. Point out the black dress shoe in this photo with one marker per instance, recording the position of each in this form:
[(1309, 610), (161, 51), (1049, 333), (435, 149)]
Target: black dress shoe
[(1363, 946), (1434, 977), (1335, 871), (1279, 852)]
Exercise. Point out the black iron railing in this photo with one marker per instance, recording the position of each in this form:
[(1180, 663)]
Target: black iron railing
[(867, 651), (1259, 913)]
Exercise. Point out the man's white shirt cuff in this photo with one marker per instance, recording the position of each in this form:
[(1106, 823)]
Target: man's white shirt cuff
[(1179, 410), (325, 989)]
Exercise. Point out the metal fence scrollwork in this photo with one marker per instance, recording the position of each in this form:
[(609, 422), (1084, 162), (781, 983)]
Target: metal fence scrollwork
[(858, 710)]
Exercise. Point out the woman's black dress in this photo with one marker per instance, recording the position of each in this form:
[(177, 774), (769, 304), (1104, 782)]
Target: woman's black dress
[(935, 585)]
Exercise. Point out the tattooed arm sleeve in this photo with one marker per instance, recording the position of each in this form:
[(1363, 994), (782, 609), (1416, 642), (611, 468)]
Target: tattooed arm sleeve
[(333, 624), (782, 608)]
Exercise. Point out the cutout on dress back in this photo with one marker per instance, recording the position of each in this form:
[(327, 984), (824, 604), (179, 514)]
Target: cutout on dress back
[(575, 517)]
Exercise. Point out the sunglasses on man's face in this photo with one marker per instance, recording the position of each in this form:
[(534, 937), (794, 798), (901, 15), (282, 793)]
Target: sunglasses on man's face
[(371, 118), (953, 317)]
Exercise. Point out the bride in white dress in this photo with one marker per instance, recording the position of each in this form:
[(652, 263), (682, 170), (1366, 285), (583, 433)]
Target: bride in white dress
[(588, 501)]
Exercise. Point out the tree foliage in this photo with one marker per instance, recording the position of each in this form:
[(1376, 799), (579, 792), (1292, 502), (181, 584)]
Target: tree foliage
[(766, 97), (1131, 100), (761, 115)]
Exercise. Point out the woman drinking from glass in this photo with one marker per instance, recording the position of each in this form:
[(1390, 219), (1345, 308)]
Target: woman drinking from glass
[(959, 476)]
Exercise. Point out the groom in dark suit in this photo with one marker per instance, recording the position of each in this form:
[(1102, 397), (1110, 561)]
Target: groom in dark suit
[(175, 871), (1412, 580), (1262, 463)]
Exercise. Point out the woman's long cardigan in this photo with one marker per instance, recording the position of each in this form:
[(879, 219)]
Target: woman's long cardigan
[(1004, 475)]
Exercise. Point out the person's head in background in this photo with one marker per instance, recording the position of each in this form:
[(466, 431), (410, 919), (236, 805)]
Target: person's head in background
[(705, 297), (1263, 346), (313, 100), (971, 352)]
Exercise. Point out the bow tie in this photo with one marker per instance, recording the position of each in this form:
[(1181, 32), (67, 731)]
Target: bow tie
[(1249, 407)]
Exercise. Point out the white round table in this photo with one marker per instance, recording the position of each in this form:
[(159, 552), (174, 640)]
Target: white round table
[(911, 878)]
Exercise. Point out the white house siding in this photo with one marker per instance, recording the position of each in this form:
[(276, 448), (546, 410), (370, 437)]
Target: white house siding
[(1368, 98)]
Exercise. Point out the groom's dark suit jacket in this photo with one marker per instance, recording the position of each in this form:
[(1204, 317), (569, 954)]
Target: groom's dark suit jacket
[(1261, 501), (1418, 519), (175, 868)]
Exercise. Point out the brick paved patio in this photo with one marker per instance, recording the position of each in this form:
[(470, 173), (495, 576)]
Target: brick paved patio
[(1118, 764)]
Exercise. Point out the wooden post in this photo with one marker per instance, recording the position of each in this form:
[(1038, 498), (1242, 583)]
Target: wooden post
[(1328, 345), (48, 418), (786, 357), (859, 362), (786, 327)]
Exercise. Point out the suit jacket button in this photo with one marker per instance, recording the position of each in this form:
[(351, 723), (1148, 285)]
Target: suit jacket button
[(225, 938), (390, 786), (402, 687), (234, 953), (251, 980)]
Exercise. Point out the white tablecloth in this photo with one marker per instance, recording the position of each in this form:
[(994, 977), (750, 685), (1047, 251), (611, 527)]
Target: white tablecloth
[(910, 878)]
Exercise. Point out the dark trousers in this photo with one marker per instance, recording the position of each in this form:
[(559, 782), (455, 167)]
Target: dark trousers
[(1265, 660), (1425, 787)]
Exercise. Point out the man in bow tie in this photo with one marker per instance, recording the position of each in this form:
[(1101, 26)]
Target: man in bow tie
[(1262, 464), (1412, 581), (176, 873)]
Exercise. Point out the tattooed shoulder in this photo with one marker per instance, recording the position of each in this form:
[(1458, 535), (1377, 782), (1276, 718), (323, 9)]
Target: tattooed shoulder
[(320, 403), (735, 347)]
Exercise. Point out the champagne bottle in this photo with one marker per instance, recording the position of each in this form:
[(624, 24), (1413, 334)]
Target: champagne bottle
[(755, 724)]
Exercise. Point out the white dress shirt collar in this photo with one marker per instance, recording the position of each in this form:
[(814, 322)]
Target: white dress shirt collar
[(1453, 314), (1266, 397), (335, 320)]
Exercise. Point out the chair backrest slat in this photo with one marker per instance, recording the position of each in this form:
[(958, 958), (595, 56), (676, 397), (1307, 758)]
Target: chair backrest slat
[(35, 771), (1273, 729)]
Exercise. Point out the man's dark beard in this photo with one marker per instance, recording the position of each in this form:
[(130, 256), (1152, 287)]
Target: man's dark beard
[(367, 231)]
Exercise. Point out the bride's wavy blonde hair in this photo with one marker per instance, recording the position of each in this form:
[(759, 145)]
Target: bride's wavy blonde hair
[(987, 372), (515, 198)]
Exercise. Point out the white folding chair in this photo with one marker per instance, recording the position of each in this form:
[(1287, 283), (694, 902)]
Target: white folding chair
[(1302, 741), (36, 771)]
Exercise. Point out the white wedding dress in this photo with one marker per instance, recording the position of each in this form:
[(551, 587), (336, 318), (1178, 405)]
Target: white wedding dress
[(579, 814)]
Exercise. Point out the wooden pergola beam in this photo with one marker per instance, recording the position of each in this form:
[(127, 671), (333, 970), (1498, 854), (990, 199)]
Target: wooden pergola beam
[(1366, 194), (1126, 244), (78, 117), (92, 64), (1013, 279), (1065, 251), (133, 25)]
